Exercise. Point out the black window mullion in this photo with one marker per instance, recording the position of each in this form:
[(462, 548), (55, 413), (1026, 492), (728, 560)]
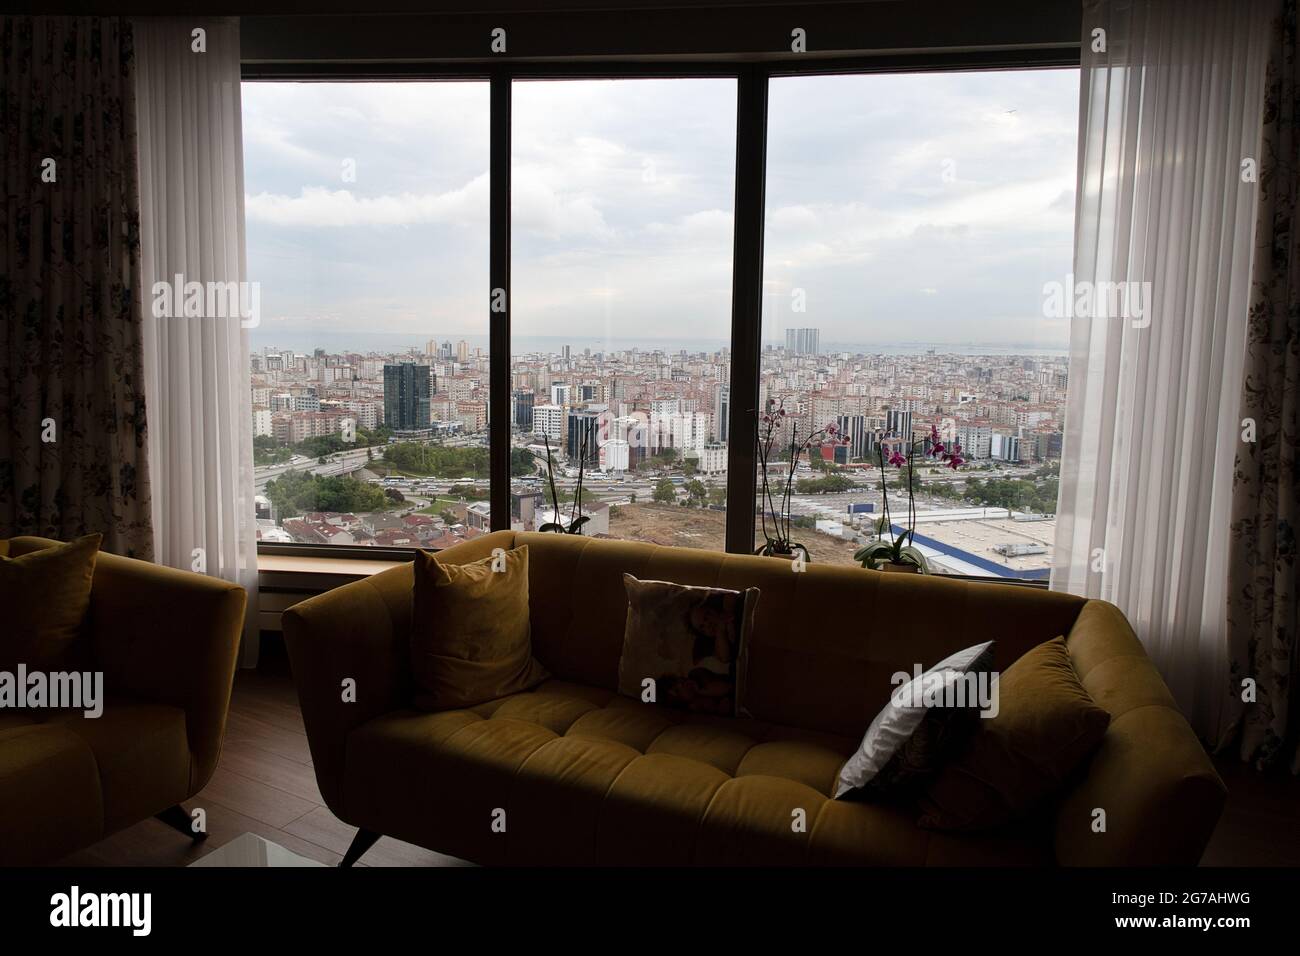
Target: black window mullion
[(746, 306), (499, 298)]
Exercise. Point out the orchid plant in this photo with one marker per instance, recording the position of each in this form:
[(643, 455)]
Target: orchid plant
[(777, 538), (900, 551), (576, 518)]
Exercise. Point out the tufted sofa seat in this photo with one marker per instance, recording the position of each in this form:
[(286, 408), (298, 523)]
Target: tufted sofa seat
[(589, 777), (573, 773)]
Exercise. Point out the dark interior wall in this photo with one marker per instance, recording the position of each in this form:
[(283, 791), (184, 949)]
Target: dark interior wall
[(280, 31)]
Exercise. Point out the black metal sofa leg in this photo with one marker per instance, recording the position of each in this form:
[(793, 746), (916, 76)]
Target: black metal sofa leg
[(179, 819), (362, 842)]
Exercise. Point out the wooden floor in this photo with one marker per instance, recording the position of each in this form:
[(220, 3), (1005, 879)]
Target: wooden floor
[(264, 784), (1260, 825)]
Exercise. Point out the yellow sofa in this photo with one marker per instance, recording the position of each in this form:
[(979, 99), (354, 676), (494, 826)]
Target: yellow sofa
[(573, 773), (166, 643)]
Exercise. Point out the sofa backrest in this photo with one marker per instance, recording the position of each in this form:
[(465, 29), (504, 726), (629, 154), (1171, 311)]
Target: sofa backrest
[(825, 641)]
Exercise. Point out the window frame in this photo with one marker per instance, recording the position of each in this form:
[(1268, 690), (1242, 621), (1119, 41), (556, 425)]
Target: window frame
[(752, 73)]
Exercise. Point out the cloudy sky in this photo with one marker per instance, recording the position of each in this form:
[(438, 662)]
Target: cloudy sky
[(907, 208)]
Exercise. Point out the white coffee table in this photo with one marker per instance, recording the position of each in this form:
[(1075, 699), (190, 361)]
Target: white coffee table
[(249, 849)]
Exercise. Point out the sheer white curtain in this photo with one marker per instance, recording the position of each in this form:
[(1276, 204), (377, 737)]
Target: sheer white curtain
[(1170, 120), (196, 344)]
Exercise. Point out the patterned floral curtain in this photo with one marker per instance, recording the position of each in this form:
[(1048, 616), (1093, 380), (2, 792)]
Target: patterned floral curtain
[(72, 405), (1263, 715)]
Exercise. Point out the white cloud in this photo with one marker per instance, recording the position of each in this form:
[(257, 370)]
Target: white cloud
[(622, 203), (320, 207)]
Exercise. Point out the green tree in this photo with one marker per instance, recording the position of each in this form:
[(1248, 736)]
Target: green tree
[(1014, 493), (663, 458), (903, 474), (298, 492), (441, 461), (665, 491), (827, 484), (523, 462), (267, 451), (696, 492)]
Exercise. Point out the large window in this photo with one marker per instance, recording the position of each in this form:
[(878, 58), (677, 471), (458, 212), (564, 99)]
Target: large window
[(367, 224), (914, 229), (621, 225), (914, 225)]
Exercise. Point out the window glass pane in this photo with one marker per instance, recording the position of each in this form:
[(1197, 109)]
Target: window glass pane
[(621, 228), (367, 226), (914, 224)]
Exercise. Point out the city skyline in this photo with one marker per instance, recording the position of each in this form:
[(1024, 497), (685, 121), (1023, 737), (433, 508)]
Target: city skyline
[(650, 427)]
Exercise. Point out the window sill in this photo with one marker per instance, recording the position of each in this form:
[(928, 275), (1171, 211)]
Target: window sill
[(311, 564)]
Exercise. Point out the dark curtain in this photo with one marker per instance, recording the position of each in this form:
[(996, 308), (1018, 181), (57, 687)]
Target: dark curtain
[(1261, 720), (72, 407)]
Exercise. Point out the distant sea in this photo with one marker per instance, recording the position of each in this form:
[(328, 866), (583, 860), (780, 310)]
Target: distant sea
[(335, 342)]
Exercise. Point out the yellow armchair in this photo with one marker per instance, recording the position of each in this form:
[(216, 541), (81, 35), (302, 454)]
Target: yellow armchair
[(166, 642)]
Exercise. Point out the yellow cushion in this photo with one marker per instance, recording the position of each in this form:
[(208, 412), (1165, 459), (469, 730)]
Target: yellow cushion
[(1045, 727), (470, 638), (45, 595)]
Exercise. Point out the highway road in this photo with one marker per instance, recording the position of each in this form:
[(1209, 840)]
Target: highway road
[(340, 463), (615, 491)]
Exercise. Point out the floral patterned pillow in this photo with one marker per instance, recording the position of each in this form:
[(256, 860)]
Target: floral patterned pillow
[(684, 646)]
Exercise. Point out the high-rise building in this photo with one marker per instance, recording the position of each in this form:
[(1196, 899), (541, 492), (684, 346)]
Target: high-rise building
[(462, 352), (1006, 447), (407, 390), (665, 407), (688, 432), (722, 410), (615, 455), (712, 458), (854, 427), (976, 440), (523, 404), (899, 423), (560, 394), (802, 341), (548, 420), (584, 434)]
